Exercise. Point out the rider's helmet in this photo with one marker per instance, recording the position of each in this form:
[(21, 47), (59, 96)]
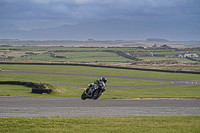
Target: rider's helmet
[(104, 79)]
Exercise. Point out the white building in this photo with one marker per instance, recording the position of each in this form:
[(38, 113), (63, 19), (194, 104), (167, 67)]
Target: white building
[(188, 54)]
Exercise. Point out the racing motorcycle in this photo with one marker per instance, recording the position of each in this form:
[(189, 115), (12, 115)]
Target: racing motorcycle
[(94, 90)]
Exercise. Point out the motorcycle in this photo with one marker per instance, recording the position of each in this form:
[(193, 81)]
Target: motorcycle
[(94, 91)]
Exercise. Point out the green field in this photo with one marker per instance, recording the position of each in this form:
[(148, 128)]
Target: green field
[(98, 70), (43, 57), (182, 60), (87, 54), (76, 56), (192, 91)]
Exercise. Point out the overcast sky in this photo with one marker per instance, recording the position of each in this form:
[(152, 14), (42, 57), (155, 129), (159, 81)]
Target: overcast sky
[(29, 14)]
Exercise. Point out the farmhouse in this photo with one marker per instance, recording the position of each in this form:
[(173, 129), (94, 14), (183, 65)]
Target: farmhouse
[(187, 54), (140, 48), (165, 47)]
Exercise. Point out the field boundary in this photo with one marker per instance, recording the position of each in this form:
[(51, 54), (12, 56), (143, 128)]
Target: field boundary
[(36, 87), (92, 65)]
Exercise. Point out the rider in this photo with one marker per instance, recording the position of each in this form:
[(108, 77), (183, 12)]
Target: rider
[(99, 83)]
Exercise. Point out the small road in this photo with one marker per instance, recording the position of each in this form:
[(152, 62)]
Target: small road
[(75, 107)]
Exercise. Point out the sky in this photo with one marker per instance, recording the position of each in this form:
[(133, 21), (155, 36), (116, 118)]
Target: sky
[(33, 14)]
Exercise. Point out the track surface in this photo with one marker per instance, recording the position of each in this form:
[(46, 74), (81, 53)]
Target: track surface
[(75, 107)]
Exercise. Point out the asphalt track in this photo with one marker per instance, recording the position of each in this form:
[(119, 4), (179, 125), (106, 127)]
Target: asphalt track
[(75, 107)]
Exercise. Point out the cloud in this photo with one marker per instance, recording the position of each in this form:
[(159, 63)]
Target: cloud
[(84, 7), (87, 10)]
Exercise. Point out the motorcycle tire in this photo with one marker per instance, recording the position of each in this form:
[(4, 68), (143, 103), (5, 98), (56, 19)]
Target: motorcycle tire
[(83, 96), (96, 94)]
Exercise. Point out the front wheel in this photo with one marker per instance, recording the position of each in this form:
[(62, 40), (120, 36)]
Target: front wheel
[(97, 93), (83, 96)]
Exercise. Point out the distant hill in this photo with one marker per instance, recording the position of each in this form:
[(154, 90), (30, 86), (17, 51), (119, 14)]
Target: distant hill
[(110, 29), (7, 26), (156, 40)]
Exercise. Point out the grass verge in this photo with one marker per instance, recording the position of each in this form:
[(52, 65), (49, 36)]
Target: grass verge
[(172, 124), (77, 80), (98, 70), (192, 91)]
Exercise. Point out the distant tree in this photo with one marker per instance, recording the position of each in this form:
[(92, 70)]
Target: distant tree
[(156, 40), (90, 39)]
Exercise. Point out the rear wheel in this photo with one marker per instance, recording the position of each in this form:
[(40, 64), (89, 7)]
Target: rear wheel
[(83, 96), (97, 94)]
